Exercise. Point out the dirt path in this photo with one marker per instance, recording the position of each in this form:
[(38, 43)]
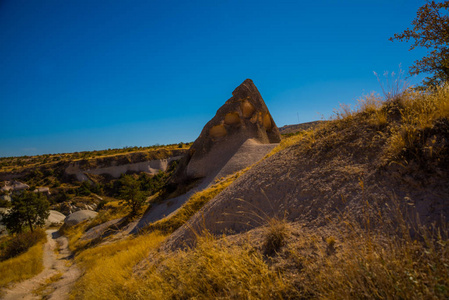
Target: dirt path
[(59, 274)]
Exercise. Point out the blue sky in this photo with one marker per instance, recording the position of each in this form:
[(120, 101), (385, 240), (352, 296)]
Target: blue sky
[(80, 75)]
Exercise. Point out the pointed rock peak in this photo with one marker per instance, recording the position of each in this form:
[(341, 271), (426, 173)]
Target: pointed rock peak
[(244, 116), (247, 87)]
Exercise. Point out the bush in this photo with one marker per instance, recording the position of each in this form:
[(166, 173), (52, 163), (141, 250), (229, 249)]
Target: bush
[(20, 243), (22, 267), (276, 234)]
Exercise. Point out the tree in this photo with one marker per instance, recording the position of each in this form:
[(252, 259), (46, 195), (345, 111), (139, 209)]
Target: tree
[(28, 209), (430, 30), (131, 192)]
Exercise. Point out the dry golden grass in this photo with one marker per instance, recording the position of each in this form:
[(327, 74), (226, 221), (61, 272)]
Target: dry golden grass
[(423, 116), (112, 210), (411, 126), (345, 260), (108, 269), (73, 234), (361, 264), (23, 266), (213, 270), (276, 234), (290, 141)]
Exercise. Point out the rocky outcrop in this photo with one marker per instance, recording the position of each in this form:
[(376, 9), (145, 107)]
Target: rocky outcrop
[(77, 204), (244, 116), (152, 167), (43, 190), (55, 218), (79, 216), (14, 186)]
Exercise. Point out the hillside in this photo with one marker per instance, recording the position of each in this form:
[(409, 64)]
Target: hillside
[(355, 207), (360, 164), (330, 213)]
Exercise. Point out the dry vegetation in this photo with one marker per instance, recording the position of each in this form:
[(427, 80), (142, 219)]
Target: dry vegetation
[(108, 269), (414, 126), (345, 262), (23, 266), (354, 257), (16, 164)]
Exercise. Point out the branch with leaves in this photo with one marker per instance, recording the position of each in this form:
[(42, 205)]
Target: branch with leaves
[(431, 31)]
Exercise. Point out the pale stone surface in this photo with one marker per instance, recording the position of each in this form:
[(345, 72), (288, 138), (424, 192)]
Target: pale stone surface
[(79, 216), (152, 167), (55, 217)]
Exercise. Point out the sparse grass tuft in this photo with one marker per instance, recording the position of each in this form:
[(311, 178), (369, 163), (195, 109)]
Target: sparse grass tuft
[(276, 233), (412, 126), (110, 212), (290, 141)]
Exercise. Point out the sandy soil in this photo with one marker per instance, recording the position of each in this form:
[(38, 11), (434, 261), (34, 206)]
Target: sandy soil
[(57, 260)]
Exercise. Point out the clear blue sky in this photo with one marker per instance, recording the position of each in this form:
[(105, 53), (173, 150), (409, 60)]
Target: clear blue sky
[(81, 75)]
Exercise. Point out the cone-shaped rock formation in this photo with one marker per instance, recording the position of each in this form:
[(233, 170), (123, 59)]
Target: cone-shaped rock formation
[(244, 116)]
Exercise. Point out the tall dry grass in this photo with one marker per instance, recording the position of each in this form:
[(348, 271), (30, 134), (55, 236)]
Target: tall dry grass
[(214, 270), (424, 117), (358, 263), (108, 269), (413, 125), (348, 259), (23, 266)]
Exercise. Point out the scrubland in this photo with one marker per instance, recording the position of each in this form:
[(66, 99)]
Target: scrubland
[(373, 256)]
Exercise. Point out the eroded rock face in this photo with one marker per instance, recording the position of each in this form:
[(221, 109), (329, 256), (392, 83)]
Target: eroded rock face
[(244, 116)]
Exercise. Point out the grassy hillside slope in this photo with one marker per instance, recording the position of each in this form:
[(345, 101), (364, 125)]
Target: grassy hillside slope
[(330, 214), (361, 163)]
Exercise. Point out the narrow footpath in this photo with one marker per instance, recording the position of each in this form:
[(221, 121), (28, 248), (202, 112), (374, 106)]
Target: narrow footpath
[(57, 278)]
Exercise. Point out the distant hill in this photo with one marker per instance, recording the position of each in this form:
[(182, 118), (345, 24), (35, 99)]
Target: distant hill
[(289, 129)]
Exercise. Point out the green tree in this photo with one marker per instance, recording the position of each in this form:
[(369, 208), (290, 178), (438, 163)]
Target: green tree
[(131, 192), (27, 209), (430, 30)]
